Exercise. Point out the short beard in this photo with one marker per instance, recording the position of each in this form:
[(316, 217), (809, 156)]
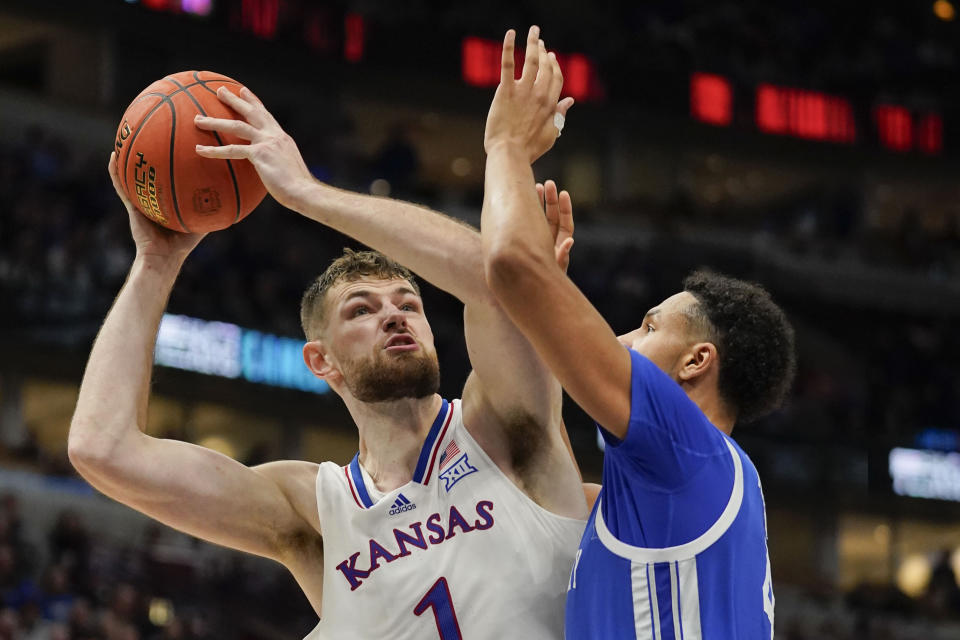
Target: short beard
[(383, 378)]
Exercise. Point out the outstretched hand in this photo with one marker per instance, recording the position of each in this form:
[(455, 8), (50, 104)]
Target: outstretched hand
[(152, 239), (522, 112), (273, 153), (558, 210)]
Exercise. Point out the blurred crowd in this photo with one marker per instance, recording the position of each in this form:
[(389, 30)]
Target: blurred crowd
[(75, 585), (805, 43), (869, 612), (848, 48)]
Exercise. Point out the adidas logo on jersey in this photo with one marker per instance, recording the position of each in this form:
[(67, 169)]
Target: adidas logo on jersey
[(402, 504)]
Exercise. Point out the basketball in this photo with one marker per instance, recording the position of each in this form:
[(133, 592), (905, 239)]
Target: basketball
[(158, 165)]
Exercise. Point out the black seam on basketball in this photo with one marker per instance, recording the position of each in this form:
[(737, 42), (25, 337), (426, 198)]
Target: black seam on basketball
[(173, 186), (233, 176), (182, 87), (203, 83), (143, 121), (164, 97)]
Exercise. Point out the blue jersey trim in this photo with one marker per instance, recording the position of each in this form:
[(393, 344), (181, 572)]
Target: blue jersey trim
[(681, 551), (358, 482), (424, 458), (676, 569)]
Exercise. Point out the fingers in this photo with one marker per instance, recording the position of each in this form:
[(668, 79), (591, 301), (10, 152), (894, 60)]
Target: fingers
[(551, 198), (545, 73), (565, 211), (540, 194), (563, 253), (556, 77), (114, 172), (225, 152), (551, 207), (249, 96), (245, 108), (264, 117), (507, 64), (238, 128), (564, 105), (531, 62)]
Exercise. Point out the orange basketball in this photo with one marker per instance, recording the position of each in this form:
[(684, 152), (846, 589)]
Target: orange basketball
[(158, 164)]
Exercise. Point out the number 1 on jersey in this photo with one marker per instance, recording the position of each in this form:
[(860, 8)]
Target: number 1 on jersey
[(438, 599)]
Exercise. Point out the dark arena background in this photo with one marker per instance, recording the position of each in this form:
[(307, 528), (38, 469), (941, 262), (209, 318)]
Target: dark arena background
[(810, 146)]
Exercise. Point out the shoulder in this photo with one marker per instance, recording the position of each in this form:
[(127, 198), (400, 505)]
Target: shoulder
[(289, 472), (297, 481), (645, 374), (656, 398)]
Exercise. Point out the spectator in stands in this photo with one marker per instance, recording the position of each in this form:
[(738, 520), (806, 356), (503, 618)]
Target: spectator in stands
[(943, 593)]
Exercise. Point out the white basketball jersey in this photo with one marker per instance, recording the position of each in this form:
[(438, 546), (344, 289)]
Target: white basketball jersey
[(457, 552)]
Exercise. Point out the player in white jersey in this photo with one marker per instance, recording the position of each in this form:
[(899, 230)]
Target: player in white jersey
[(411, 540), (675, 547), (450, 554)]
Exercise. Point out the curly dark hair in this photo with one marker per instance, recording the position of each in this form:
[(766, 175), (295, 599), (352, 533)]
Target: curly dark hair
[(754, 340), (351, 266)]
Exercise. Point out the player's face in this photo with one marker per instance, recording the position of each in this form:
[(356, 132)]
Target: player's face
[(380, 340), (664, 335)]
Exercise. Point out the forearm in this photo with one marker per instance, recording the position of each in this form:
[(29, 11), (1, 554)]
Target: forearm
[(568, 333), (112, 402), (517, 246), (442, 250)]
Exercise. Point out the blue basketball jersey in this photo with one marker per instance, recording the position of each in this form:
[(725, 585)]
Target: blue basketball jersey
[(676, 546)]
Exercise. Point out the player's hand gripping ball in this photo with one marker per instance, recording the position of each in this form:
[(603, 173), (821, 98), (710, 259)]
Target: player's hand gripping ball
[(159, 168)]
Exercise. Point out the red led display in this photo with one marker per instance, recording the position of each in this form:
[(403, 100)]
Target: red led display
[(354, 35), (480, 67), (894, 126), (577, 75), (898, 131), (195, 7), (481, 62), (812, 115), (930, 134), (711, 99), (260, 17), (804, 114)]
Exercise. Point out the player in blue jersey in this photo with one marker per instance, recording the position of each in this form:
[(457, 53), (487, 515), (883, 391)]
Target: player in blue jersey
[(676, 543)]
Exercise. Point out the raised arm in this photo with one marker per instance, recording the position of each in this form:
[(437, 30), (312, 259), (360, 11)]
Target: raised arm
[(188, 487), (510, 386), (441, 249), (566, 330)]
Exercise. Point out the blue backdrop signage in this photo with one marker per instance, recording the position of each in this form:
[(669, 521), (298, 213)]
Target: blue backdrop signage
[(229, 351)]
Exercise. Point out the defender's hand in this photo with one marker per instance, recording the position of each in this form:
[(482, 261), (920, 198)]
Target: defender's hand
[(152, 239), (273, 153), (558, 210), (522, 111)]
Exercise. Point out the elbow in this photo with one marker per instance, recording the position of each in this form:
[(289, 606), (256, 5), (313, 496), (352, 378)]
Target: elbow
[(87, 449), (80, 450), (511, 268)]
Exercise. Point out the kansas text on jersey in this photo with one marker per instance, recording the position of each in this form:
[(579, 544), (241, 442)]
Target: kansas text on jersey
[(458, 552)]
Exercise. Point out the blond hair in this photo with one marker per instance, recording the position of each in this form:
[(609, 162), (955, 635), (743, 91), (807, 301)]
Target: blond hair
[(351, 266)]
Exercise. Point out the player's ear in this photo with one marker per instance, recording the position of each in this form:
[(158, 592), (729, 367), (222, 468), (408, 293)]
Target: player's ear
[(318, 360), (698, 360)]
